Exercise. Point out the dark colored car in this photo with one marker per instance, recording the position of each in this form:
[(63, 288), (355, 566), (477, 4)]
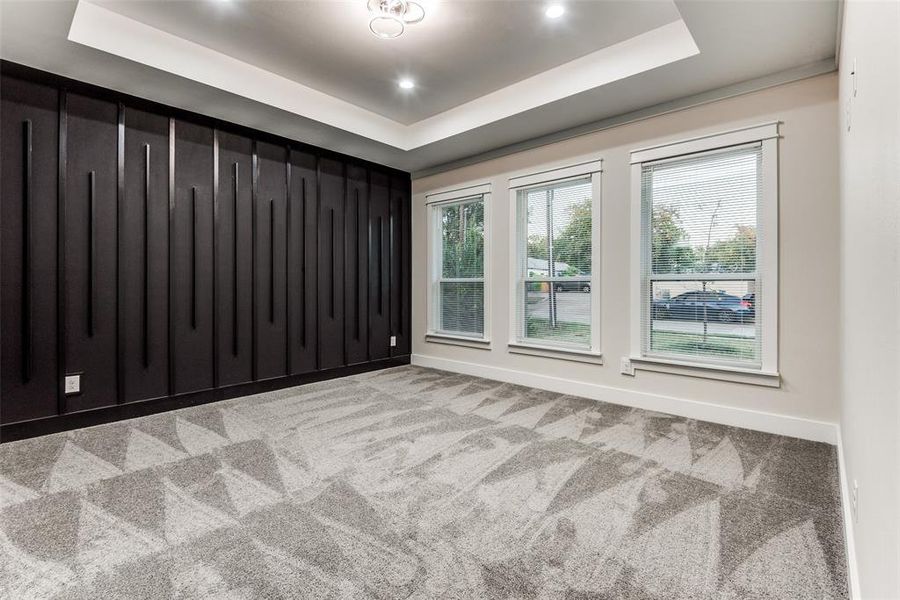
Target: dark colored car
[(572, 286), (750, 301), (704, 306)]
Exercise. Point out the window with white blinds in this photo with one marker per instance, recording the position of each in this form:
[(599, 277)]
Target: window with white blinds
[(554, 238), (457, 269), (702, 289)]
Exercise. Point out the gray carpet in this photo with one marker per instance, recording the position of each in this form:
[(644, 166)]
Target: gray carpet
[(416, 483)]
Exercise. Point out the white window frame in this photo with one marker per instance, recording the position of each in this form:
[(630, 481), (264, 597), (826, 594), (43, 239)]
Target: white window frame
[(594, 169), (433, 203), (767, 136)]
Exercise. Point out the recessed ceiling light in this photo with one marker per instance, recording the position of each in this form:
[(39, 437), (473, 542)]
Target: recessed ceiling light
[(554, 11), (407, 84)]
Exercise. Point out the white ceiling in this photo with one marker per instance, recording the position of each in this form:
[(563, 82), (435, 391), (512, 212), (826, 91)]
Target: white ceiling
[(460, 52), (489, 74)]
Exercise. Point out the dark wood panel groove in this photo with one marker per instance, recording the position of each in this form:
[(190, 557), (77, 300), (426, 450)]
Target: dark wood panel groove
[(169, 279), (215, 254), (27, 267), (61, 299), (120, 197), (234, 281), (193, 257), (92, 251), (145, 307)]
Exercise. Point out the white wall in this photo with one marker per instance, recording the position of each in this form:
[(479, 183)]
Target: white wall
[(809, 261), (870, 285)]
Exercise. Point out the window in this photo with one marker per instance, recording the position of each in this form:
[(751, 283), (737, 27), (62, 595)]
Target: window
[(708, 235), (457, 294), (556, 221)]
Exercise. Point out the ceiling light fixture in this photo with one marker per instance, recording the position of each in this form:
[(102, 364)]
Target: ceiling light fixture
[(406, 84), (389, 18), (555, 11)]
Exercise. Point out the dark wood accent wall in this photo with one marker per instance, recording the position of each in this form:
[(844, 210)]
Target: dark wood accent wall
[(168, 258)]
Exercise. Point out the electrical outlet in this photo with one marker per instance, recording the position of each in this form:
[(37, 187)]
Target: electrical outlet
[(73, 384), (854, 501), (393, 341), (626, 367)]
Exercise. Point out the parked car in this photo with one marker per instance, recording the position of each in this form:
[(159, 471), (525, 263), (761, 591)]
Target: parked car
[(749, 301), (704, 306), (572, 286)]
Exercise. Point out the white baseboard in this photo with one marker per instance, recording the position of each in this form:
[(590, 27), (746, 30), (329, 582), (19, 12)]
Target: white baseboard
[(847, 514), (818, 431)]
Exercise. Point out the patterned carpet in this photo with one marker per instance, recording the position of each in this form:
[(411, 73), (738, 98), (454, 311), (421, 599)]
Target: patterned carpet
[(416, 483)]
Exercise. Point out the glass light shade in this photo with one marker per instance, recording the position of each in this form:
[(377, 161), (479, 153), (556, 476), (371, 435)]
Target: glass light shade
[(386, 27), (390, 17), (415, 12)]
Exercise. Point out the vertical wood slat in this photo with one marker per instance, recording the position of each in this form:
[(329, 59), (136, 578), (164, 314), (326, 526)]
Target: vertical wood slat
[(303, 260), (215, 258), (61, 298), (145, 313), (271, 260), (171, 259), (27, 275), (288, 322), (234, 264), (92, 250), (333, 282), (120, 290), (194, 257), (254, 305), (356, 289), (379, 263)]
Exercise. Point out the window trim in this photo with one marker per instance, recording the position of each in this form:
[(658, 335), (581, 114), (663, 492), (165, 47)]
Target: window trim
[(767, 135), (433, 203), (541, 178)]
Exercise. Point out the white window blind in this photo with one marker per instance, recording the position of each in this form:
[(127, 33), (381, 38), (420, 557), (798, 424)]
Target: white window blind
[(701, 287), (554, 240), (458, 281)]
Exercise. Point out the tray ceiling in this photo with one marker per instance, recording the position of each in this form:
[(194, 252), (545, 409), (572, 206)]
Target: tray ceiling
[(487, 74)]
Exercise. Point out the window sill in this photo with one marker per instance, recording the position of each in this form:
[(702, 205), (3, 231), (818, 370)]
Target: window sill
[(585, 356), (722, 373), (458, 340)]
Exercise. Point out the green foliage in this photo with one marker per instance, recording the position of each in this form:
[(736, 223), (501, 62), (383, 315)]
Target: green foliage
[(572, 245), (537, 246), (734, 255), (668, 251), (462, 228), (671, 253)]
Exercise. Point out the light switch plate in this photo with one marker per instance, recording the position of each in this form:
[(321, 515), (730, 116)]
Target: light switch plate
[(73, 384), (393, 341)]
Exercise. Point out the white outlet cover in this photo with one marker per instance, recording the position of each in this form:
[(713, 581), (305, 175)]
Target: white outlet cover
[(73, 384), (626, 367), (393, 341)]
